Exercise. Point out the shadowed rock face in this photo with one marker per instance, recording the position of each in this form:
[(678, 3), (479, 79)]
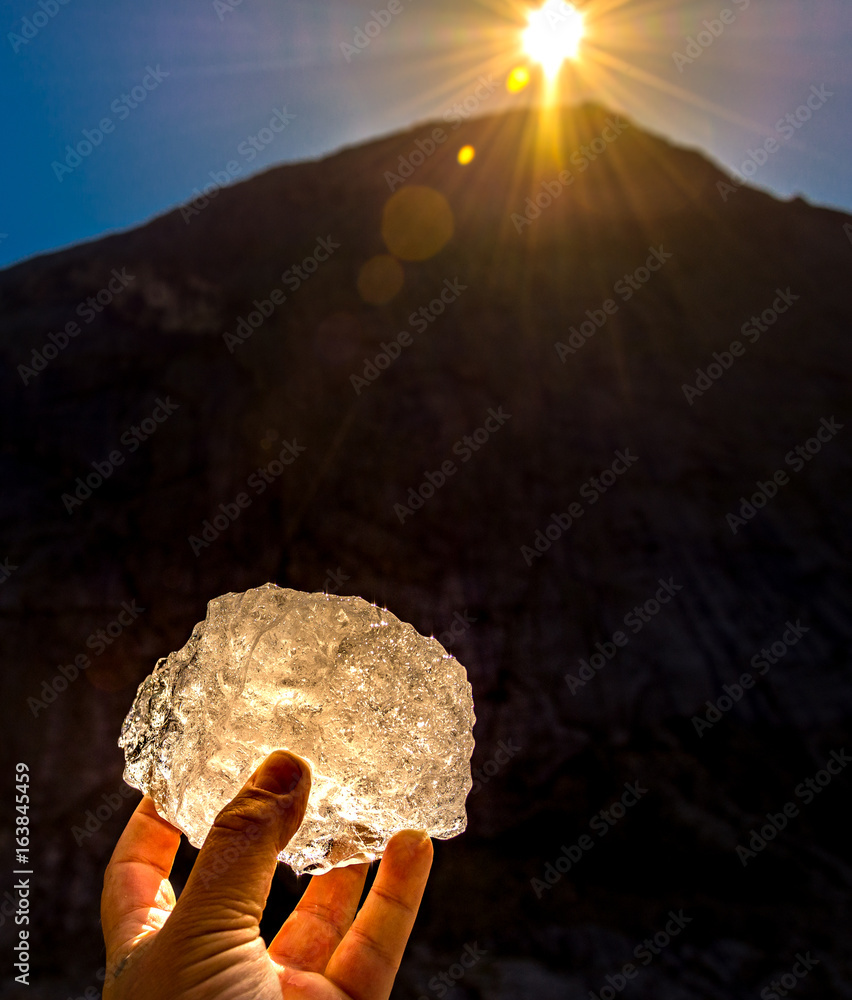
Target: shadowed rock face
[(588, 521)]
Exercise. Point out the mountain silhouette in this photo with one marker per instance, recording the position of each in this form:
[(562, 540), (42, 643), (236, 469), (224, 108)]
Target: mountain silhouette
[(597, 443)]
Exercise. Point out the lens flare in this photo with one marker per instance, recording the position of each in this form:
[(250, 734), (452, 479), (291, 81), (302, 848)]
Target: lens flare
[(466, 155), (417, 222), (380, 279), (517, 79), (554, 35)]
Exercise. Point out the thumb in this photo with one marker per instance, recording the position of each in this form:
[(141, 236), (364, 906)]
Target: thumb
[(233, 872)]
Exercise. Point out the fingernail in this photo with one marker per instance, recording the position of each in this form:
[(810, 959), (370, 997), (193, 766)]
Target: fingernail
[(414, 840), (279, 774)]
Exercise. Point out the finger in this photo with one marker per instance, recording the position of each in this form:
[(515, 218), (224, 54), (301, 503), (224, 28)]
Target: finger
[(137, 894), (366, 961), (325, 912), (231, 877)]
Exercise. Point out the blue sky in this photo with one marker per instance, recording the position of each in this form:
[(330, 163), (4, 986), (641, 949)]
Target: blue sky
[(223, 68)]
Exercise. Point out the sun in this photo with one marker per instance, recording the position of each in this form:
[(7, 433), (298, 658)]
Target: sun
[(554, 35)]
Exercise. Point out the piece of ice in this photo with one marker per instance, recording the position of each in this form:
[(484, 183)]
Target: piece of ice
[(383, 715)]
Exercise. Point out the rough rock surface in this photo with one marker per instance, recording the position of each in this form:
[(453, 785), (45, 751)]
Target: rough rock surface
[(383, 715), (456, 566)]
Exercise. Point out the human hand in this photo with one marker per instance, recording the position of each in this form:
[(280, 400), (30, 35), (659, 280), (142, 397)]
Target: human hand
[(208, 944)]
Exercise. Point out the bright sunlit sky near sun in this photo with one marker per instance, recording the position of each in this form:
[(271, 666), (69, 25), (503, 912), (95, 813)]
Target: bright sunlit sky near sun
[(228, 72)]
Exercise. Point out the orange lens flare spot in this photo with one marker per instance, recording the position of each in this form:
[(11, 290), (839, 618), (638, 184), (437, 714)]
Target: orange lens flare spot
[(517, 79), (466, 155), (417, 222), (380, 279)]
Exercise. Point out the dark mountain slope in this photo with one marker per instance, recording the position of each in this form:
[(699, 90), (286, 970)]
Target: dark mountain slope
[(329, 520)]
